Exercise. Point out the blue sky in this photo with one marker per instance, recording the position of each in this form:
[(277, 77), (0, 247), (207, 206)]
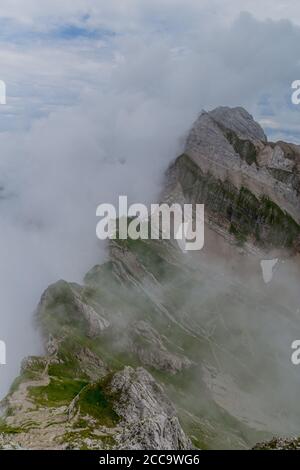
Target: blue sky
[(52, 54)]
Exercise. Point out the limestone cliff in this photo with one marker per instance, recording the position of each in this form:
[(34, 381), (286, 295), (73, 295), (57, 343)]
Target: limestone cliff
[(249, 186)]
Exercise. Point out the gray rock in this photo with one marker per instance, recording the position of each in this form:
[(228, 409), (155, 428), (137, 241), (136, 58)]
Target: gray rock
[(66, 301), (149, 418), (229, 148), (96, 322), (91, 364), (7, 444), (151, 350), (239, 121)]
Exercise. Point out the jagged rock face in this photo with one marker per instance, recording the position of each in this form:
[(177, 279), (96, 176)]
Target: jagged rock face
[(136, 414), (249, 186), (150, 420), (141, 398), (64, 301), (239, 121), (73, 398), (243, 215)]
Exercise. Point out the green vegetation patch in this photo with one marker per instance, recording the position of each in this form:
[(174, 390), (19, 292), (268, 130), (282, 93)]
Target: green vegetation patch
[(96, 401), (57, 393), (6, 429)]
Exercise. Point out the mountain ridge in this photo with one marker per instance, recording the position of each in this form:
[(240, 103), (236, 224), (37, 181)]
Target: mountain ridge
[(160, 349)]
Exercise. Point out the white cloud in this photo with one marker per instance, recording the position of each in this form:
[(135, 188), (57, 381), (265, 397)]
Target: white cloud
[(92, 118)]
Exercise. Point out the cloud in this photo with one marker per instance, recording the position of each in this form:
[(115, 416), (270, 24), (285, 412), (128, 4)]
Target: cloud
[(100, 98)]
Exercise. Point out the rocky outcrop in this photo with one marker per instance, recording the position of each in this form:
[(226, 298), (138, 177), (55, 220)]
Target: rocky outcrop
[(240, 122), (65, 302), (278, 443), (149, 418), (250, 187), (150, 348), (73, 398), (127, 410)]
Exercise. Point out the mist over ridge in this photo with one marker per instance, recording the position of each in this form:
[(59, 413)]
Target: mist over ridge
[(101, 101)]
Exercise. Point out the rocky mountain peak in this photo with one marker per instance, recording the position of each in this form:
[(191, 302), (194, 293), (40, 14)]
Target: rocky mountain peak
[(251, 187), (239, 121)]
